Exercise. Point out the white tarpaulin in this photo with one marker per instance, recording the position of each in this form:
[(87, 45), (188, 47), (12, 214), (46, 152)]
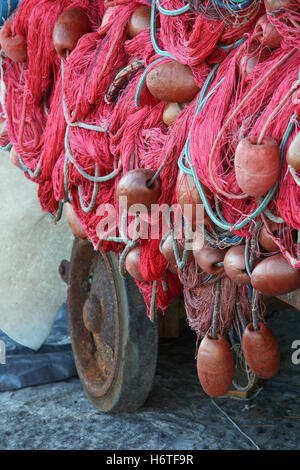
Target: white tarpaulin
[(31, 248)]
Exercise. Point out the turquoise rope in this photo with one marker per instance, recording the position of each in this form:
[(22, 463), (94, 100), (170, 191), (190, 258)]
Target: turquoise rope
[(249, 262), (235, 5), (7, 147), (153, 34), (272, 217), (218, 210), (166, 12), (91, 205), (163, 54), (87, 176), (142, 81), (84, 125), (58, 214), (246, 255), (230, 47), (33, 174), (69, 157)]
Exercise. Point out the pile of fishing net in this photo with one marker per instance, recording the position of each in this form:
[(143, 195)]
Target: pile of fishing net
[(168, 130)]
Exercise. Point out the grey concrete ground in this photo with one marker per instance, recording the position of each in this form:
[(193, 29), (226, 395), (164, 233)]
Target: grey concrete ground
[(177, 415)]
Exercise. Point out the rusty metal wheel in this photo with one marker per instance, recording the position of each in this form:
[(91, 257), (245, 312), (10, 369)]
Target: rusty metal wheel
[(114, 343)]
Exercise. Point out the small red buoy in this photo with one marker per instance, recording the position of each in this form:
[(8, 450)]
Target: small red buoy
[(74, 224), (257, 166), (70, 26), (14, 158), (265, 239), (274, 276), (168, 252), (215, 365), (188, 194), (293, 153), (134, 186), (261, 350), (13, 45), (266, 33), (208, 258), (132, 262), (235, 266), (254, 56), (140, 20), (172, 82)]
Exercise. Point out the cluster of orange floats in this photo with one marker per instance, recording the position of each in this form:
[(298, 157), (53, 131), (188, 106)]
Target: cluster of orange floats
[(174, 83)]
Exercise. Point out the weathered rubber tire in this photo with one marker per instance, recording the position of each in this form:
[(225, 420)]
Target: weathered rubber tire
[(135, 337)]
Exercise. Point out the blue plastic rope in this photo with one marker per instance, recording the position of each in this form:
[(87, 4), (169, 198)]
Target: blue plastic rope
[(234, 5)]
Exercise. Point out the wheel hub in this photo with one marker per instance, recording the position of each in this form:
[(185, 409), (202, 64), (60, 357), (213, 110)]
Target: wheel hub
[(94, 316)]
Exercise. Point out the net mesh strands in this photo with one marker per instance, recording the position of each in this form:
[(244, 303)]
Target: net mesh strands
[(199, 293)]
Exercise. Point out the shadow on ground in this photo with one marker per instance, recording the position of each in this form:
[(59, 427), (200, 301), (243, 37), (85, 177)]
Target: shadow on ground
[(177, 414)]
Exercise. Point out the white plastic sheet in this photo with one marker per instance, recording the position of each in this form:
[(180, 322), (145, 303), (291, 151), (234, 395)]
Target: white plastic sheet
[(31, 249)]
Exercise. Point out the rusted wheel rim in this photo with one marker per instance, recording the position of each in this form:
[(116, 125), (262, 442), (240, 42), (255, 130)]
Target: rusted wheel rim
[(94, 319)]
